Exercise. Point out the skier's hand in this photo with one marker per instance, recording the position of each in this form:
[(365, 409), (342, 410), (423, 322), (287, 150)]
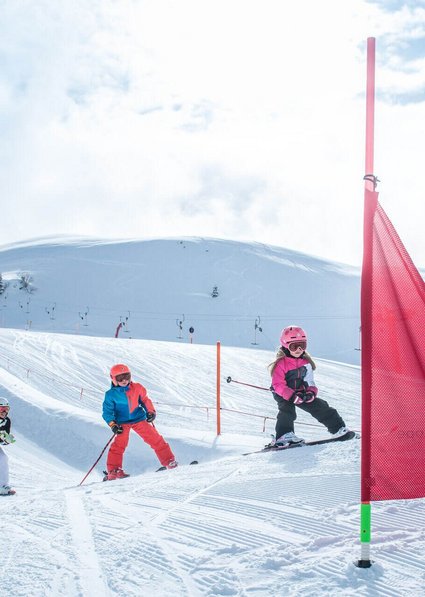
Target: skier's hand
[(116, 429), (309, 397), (150, 417), (299, 397), (6, 438)]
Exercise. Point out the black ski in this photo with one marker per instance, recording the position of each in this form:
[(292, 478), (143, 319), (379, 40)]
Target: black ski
[(164, 468), (316, 442)]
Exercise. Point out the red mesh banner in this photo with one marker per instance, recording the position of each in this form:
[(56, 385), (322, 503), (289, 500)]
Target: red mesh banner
[(393, 363)]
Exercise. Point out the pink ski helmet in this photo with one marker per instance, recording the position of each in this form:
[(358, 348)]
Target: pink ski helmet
[(292, 333)]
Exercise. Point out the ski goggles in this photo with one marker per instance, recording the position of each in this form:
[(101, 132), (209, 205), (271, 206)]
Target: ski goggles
[(123, 377), (294, 346)]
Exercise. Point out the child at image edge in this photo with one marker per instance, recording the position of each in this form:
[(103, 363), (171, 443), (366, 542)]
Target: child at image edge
[(5, 438), (127, 406), (293, 387)]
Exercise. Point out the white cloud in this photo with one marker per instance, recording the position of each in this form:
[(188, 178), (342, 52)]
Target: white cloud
[(219, 118)]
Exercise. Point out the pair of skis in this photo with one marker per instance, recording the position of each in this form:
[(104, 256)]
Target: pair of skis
[(317, 442)]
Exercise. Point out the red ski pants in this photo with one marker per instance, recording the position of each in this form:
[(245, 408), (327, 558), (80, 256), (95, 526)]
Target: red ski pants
[(149, 434)]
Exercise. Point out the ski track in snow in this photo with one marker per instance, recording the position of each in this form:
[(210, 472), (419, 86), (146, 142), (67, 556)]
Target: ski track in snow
[(91, 576), (40, 536), (197, 531), (160, 532), (195, 535)]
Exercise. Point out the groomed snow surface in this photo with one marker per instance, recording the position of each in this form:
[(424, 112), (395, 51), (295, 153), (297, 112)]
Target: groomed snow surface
[(260, 525)]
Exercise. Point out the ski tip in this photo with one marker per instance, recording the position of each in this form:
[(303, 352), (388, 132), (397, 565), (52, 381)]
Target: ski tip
[(164, 468)]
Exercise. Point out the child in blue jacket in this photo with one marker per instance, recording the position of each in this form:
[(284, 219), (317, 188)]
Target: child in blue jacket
[(127, 407)]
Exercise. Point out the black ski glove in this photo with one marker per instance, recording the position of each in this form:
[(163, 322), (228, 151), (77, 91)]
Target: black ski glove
[(150, 417), (116, 429), (303, 397), (309, 397)]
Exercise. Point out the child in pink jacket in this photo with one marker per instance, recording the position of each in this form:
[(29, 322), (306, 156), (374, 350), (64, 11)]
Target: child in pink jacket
[(293, 387)]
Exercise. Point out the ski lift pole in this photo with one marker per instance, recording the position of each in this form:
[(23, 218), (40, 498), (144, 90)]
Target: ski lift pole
[(101, 454)]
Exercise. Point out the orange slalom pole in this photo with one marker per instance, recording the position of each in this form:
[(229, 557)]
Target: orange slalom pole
[(218, 391)]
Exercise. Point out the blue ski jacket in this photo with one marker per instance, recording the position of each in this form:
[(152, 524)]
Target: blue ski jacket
[(128, 404)]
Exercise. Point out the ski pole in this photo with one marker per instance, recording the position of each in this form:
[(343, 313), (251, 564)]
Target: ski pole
[(229, 379), (101, 454)]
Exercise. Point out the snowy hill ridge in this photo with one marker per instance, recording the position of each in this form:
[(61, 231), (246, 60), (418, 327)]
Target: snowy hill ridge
[(161, 288)]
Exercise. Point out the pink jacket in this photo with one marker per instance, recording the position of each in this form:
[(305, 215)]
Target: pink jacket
[(293, 374)]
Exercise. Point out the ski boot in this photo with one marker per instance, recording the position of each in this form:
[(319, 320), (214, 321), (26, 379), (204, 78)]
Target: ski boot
[(116, 473), (287, 439), (7, 490)]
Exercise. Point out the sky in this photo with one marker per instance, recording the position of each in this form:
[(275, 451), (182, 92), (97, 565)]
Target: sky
[(240, 119), (231, 526)]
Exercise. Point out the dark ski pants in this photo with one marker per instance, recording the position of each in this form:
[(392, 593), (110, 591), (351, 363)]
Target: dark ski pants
[(319, 409)]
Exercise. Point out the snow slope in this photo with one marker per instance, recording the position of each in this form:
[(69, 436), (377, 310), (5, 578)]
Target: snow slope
[(265, 524), (89, 287)]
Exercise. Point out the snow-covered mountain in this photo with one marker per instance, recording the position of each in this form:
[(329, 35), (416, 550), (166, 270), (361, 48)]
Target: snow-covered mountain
[(159, 289)]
